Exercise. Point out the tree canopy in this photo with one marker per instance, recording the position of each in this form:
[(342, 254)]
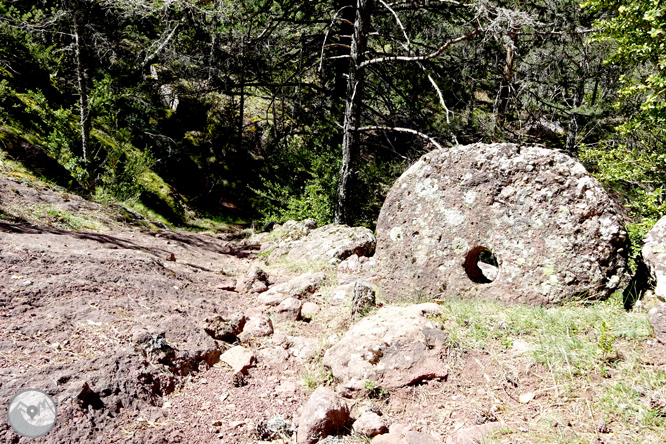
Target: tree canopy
[(276, 109)]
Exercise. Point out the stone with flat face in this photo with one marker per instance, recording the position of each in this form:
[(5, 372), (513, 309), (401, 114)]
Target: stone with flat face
[(654, 256), (543, 230)]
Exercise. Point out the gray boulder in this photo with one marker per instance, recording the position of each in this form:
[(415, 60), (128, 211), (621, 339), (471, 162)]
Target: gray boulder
[(547, 227), (394, 347)]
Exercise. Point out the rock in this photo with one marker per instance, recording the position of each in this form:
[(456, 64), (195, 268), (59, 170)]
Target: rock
[(256, 327), (363, 298), (310, 308), (267, 247), (195, 345), (254, 281), (288, 310), (292, 230), (350, 265), (274, 356), (225, 328), (302, 348), (394, 347), (370, 424), (330, 242), (536, 214), (342, 294), (654, 257), (474, 434), (324, 414), (658, 320), (399, 434), (227, 285), (369, 265), (298, 287), (238, 358), (275, 428)]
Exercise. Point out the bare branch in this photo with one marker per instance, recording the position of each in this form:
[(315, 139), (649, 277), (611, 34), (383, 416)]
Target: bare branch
[(397, 19), (424, 57), (425, 3), (439, 92), (328, 31), (341, 45), (161, 46), (402, 130)]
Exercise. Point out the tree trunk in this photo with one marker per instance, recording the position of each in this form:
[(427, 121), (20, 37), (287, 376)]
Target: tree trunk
[(79, 21), (353, 104), (572, 130), (507, 75)]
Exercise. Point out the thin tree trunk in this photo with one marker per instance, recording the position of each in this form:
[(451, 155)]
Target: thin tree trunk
[(242, 99), (572, 130), (507, 75), (79, 17), (353, 104)]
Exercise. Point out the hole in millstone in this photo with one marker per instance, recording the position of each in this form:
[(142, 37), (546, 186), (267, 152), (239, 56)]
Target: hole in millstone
[(481, 265)]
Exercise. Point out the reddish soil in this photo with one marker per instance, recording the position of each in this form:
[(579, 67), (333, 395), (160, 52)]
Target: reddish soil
[(75, 304)]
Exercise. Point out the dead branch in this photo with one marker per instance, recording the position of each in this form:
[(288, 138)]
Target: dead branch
[(424, 57), (328, 31), (149, 58), (402, 130)]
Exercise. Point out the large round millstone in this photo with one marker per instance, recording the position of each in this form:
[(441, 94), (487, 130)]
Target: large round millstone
[(499, 221)]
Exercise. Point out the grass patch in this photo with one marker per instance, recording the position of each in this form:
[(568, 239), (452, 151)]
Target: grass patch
[(595, 360)]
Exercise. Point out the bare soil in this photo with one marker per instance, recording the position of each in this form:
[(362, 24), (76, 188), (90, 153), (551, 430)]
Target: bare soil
[(73, 305)]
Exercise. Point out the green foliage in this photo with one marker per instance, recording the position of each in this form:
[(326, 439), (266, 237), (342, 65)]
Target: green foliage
[(635, 163), (605, 341), (638, 29), (308, 191), (637, 174)]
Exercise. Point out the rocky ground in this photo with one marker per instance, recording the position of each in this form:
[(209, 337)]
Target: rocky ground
[(130, 328)]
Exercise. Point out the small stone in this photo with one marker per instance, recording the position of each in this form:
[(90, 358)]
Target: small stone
[(363, 298), (288, 310), (370, 424), (256, 327), (299, 287), (325, 413), (474, 434), (238, 358), (225, 328), (340, 295), (252, 281), (350, 265), (310, 308)]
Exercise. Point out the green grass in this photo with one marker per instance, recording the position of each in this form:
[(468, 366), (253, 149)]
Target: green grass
[(593, 357)]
